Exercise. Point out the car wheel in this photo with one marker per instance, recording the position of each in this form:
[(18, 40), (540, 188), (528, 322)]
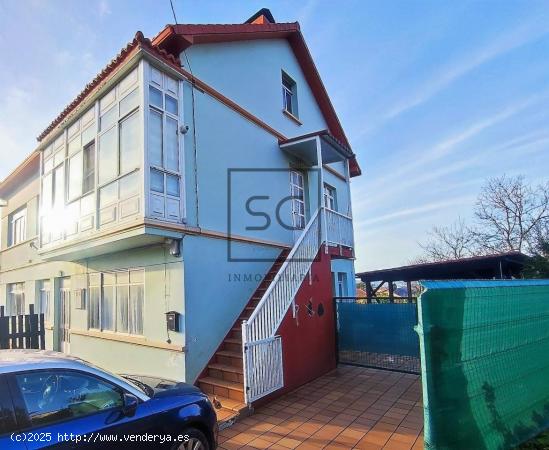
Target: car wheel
[(196, 440)]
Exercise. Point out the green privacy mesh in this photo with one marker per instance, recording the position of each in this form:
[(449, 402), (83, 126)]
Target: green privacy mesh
[(484, 349)]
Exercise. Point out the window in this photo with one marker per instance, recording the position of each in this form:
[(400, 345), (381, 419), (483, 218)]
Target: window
[(56, 395), (118, 149), (17, 226), (341, 284), (108, 157), (16, 299), (74, 184), (330, 197), (163, 137), (129, 143), (116, 301), (44, 298), (289, 94), (88, 178)]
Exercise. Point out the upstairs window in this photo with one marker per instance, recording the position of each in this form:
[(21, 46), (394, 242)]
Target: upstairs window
[(289, 94), (119, 147), (330, 197), (17, 226)]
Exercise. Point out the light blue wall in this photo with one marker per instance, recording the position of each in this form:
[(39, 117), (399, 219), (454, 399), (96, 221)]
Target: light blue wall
[(249, 73), (214, 295), (347, 266), (225, 140), (343, 201)]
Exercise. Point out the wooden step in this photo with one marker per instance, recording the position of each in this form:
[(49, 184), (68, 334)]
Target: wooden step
[(237, 340), (228, 403), (230, 358), (223, 388), (225, 367), (222, 383), (226, 372), (228, 354), (228, 410)]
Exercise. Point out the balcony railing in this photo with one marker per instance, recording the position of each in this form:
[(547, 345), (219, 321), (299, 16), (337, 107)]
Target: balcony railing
[(339, 228)]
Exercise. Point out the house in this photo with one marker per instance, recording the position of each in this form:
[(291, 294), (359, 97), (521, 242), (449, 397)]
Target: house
[(186, 213)]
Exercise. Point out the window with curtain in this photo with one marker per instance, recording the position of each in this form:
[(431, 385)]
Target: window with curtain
[(15, 304), (17, 221), (116, 301), (44, 299)]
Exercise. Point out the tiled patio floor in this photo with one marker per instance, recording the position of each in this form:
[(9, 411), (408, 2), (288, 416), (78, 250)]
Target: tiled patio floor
[(351, 407)]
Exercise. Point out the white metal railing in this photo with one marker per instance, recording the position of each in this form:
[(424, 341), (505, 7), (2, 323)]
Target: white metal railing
[(263, 372), (262, 350), (339, 228), (261, 327), (272, 307)]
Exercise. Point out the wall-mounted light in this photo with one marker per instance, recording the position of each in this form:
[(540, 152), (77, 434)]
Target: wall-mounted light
[(175, 247)]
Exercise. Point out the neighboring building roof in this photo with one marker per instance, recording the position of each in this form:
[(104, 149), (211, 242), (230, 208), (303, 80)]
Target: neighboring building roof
[(24, 170), (176, 38), (500, 265)]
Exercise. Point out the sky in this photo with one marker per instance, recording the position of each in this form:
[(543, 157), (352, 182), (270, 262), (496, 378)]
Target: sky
[(435, 96)]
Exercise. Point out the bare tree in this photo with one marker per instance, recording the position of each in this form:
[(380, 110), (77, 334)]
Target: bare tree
[(452, 242), (511, 214)]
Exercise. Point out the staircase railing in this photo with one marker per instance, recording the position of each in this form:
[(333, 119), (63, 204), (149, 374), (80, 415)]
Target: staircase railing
[(262, 372)]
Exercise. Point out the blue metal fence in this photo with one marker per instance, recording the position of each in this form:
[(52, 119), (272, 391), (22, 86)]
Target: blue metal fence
[(377, 334)]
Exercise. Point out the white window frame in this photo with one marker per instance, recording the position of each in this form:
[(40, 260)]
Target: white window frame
[(330, 197), (289, 89), (116, 285), (15, 302), (299, 220), (162, 84), (44, 298), (341, 284), (18, 226)]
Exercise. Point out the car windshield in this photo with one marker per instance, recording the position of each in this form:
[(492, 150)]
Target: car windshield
[(140, 385), (126, 379)]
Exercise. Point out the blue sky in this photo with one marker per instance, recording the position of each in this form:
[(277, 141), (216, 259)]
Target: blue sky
[(434, 96)]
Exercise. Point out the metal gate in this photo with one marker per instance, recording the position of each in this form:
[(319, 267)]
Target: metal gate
[(379, 335), (263, 369)]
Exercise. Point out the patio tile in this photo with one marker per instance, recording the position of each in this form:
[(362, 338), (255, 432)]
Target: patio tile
[(351, 407)]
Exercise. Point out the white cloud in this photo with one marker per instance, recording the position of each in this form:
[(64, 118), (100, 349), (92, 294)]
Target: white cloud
[(505, 43), (104, 8), (417, 210)]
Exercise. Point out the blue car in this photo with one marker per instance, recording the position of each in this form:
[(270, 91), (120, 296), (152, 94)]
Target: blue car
[(50, 400)]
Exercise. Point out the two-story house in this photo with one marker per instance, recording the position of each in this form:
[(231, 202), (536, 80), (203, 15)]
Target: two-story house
[(188, 215)]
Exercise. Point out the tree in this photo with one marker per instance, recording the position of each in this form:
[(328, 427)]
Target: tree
[(510, 214), (538, 265), (453, 242)]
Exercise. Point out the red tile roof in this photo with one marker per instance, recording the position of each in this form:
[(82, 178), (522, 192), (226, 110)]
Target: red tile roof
[(169, 43), (138, 42), (176, 38)]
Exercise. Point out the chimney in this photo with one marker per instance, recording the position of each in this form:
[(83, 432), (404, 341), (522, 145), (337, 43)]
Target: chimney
[(261, 17)]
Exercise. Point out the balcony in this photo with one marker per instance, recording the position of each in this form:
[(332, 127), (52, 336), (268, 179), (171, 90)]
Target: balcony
[(113, 166)]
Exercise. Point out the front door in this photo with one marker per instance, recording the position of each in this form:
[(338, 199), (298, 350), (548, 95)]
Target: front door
[(297, 191), (64, 315)]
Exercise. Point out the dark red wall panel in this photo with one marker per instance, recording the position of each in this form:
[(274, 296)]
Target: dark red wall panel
[(308, 343)]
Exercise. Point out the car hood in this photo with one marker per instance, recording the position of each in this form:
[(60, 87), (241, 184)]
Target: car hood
[(161, 385)]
